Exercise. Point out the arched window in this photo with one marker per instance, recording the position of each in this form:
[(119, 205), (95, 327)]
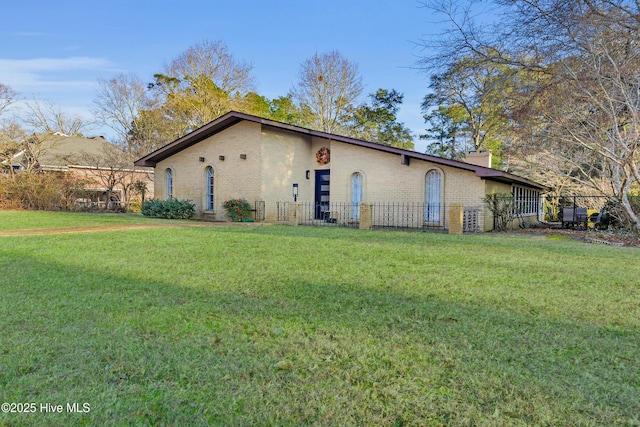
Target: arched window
[(356, 194), (433, 196), (209, 185), (169, 176)]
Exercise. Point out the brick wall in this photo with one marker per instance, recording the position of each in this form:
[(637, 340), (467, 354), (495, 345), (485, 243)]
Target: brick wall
[(234, 177), (276, 159), (387, 180)]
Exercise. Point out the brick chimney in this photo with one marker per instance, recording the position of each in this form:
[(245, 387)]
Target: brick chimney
[(478, 158)]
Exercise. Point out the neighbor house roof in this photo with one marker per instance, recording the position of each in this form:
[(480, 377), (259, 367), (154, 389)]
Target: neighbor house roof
[(233, 117), (57, 150)]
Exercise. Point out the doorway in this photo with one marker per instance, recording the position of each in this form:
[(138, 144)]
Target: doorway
[(323, 179)]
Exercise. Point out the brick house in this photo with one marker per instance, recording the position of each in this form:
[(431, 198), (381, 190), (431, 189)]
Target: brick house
[(103, 167), (274, 164)]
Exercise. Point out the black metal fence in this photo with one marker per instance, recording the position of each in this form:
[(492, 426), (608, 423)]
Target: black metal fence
[(329, 214), (409, 216), (282, 207), (399, 215), (259, 210)]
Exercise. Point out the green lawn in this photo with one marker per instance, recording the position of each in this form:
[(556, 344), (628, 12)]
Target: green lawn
[(25, 220), (276, 325)]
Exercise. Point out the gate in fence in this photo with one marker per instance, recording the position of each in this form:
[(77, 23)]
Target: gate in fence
[(258, 210)]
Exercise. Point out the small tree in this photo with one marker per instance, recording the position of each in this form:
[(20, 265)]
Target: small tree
[(503, 208), (111, 169)]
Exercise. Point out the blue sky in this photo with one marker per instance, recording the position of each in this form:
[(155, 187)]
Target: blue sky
[(56, 51)]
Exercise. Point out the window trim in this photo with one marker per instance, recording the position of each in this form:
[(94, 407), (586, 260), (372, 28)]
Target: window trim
[(432, 207), (168, 183), (355, 204), (210, 205)]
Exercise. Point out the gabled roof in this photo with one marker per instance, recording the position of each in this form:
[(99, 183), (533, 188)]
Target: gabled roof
[(234, 117), (58, 150)]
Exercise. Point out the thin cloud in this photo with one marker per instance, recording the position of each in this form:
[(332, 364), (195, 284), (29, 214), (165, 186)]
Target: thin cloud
[(54, 64), (37, 73)]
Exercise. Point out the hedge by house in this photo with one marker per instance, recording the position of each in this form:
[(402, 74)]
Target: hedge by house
[(171, 208)]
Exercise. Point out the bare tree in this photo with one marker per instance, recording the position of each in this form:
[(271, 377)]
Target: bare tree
[(589, 52), (120, 102), (12, 138), (11, 134), (47, 117), (7, 97), (112, 168), (329, 86)]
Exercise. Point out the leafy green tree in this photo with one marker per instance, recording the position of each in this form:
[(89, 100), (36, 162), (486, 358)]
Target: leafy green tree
[(283, 109), (470, 109), (377, 121), (202, 84), (444, 133), (256, 104)]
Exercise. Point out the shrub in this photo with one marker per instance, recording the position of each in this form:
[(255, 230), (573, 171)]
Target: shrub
[(237, 209), (171, 209), (41, 191), (503, 207)]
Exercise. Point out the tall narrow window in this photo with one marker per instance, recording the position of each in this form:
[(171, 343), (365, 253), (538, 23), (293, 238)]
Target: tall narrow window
[(433, 196), (209, 184), (356, 194), (169, 184)]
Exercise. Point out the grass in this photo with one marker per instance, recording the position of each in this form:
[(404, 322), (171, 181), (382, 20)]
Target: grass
[(317, 326), (35, 220)]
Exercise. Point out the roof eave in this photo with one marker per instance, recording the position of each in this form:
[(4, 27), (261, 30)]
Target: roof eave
[(211, 128), (507, 178), (233, 117)]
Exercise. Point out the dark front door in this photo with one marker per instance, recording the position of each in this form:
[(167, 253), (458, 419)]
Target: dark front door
[(322, 194)]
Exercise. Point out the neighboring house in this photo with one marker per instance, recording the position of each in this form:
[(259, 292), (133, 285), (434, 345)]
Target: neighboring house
[(103, 165), (273, 164)]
